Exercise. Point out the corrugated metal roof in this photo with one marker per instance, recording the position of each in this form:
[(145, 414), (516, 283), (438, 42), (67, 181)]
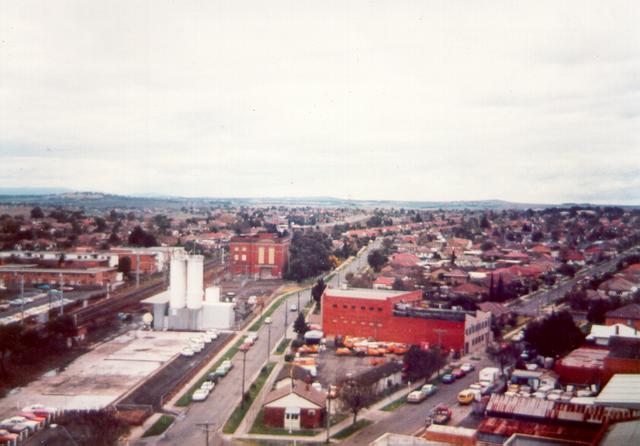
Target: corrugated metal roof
[(623, 390)]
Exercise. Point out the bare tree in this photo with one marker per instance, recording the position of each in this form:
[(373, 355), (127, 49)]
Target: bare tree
[(355, 395)]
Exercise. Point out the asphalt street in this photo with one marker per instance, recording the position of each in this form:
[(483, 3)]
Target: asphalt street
[(532, 306), (411, 417)]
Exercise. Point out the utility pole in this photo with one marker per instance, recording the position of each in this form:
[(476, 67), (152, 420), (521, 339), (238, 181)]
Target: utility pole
[(22, 297), (268, 341), (138, 270), (207, 428), (244, 362), (328, 415), (286, 314), (61, 296)]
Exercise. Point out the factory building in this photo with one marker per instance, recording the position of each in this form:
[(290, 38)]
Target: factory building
[(260, 256), (396, 316), (186, 305)]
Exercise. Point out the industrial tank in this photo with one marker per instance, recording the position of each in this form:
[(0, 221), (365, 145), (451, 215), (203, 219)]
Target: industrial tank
[(177, 282), (195, 281)]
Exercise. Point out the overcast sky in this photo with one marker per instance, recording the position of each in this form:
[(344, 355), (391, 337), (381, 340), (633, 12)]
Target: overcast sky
[(425, 100)]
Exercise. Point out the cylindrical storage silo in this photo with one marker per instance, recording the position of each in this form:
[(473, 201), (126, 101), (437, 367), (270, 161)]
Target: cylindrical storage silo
[(178, 282), (195, 281)]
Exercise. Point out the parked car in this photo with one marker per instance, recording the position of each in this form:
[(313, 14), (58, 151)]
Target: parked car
[(458, 373), (429, 389), (440, 414), (200, 395), (7, 437), (466, 396), (448, 378), (293, 307), (416, 397), (267, 320), (467, 367), (187, 352)]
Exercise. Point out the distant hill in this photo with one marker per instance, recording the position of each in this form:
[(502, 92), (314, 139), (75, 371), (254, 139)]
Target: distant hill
[(19, 191), (98, 200)]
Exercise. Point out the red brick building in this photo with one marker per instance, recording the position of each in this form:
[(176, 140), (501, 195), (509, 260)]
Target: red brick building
[(261, 256), (394, 316), (628, 315), (294, 407), (99, 276)]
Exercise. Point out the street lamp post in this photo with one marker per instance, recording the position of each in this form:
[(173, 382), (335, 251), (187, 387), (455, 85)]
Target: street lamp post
[(244, 363), (286, 313), (268, 339), (328, 415)]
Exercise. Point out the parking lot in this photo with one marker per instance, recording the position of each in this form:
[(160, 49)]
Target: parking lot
[(101, 376), (333, 368)]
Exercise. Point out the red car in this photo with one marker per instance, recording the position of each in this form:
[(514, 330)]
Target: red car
[(458, 373)]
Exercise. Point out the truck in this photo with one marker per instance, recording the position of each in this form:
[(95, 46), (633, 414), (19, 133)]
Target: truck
[(489, 375)]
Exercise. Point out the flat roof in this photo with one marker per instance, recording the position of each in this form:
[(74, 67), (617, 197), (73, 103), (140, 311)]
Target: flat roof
[(623, 390), (28, 269), (364, 293)]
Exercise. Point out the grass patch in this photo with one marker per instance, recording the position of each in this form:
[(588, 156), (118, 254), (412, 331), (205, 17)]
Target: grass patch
[(185, 399), (259, 428), (161, 425), (241, 410), (257, 324), (282, 347), (350, 430), (396, 404)]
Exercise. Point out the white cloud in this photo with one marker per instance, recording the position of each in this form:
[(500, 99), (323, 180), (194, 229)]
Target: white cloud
[(398, 100)]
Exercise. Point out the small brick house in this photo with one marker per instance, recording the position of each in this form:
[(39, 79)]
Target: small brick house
[(295, 407)]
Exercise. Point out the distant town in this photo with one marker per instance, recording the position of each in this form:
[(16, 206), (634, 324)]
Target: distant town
[(165, 321)]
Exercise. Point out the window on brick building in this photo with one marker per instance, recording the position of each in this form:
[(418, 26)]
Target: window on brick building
[(335, 305), (244, 257), (363, 308), (379, 308)]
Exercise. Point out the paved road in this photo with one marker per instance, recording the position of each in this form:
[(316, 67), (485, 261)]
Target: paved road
[(224, 398), (533, 305), (411, 417)]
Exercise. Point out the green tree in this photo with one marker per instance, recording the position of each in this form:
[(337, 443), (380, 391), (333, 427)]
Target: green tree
[(309, 255), (555, 335), (399, 285), (61, 327), (101, 224), (36, 212), (376, 259), (139, 237), (9, 343), (419, 363), (300, 325), (124, 265), (317, 291)]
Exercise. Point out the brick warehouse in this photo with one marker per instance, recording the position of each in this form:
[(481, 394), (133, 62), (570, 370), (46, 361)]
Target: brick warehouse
[(261, 256), (395, 316)]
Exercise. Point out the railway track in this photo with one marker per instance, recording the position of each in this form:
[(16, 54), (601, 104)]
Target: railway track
[(108, 307)]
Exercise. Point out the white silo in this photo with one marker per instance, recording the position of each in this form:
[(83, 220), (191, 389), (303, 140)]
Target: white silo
[(178, 282), (195, 281)]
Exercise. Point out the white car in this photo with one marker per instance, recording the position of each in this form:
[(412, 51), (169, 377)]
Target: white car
[(267, 320), (200, 395), (187, 352), (197, 347), (416, 397), (293, 307), (467, 367), (207, 385)]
